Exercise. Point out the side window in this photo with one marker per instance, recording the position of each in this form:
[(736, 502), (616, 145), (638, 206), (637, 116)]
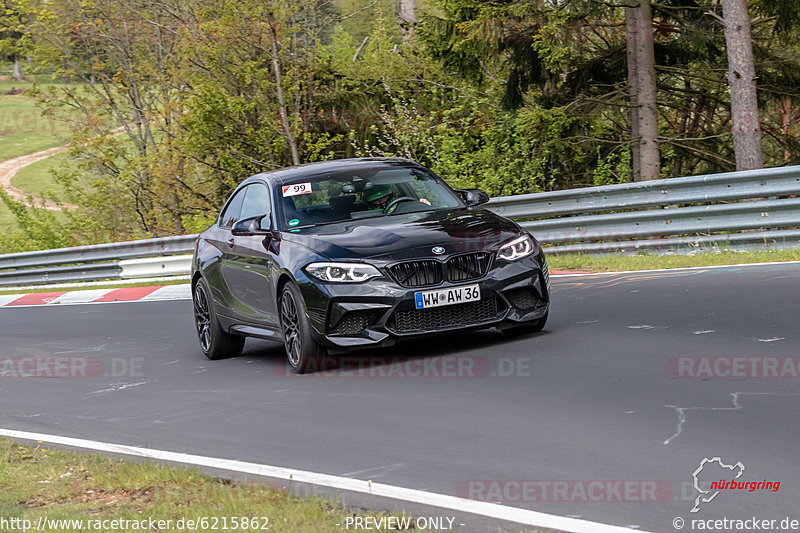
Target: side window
[(231, 213), (256, 203)]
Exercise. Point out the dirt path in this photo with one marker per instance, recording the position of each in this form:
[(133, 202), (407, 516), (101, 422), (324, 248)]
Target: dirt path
[(10, 167)]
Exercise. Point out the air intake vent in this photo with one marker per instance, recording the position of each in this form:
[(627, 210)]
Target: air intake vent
[(353, 323), (469, 314)]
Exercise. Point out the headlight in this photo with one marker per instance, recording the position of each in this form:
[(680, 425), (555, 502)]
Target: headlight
[(517, 249), (342, 272)]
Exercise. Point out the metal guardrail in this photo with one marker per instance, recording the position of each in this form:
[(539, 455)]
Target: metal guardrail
[(181, 244), (166, 256), (730, 186), (757, 209)]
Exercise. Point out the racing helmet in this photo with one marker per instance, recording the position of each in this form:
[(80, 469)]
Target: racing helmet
[(378, 193)]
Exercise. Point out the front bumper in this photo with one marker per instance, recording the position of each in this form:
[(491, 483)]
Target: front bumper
[(380, 311)]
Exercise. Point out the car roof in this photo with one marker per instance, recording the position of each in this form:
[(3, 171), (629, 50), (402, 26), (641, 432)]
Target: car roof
[(339, 165)]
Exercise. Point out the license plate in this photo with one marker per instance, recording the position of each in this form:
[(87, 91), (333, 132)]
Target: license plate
[(448, 296)]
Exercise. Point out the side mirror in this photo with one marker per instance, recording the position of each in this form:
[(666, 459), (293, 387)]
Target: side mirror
[(250, 226), (473, 197)]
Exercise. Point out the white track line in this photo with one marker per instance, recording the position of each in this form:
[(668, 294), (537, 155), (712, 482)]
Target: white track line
[(169, 292), (673, 269), (6, 299), (90, 296), (80, 297), (443, 501)]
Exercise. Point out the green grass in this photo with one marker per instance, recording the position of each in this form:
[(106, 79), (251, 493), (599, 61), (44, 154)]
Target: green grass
[(38, 481), (7, 82), (23, 128), (619, 262), (37, 178), (92, 287)]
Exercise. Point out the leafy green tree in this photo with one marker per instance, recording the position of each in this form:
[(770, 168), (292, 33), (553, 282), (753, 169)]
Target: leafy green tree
[(174, 103), (15, 41)]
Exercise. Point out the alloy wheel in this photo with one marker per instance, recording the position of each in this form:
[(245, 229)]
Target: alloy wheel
[(291, 328), (202, 317)]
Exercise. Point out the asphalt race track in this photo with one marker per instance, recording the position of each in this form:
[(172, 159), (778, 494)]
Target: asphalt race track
[(637, 378)]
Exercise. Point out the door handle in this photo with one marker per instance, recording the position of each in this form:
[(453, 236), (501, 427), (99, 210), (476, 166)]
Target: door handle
[(230, 242)]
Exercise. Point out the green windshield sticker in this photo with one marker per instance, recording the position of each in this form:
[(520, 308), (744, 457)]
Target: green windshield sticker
[(294, 222)]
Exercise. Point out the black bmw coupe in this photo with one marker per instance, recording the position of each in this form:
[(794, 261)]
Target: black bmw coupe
[(335, 256)]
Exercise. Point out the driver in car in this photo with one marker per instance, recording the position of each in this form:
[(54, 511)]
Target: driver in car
[(379, 197)]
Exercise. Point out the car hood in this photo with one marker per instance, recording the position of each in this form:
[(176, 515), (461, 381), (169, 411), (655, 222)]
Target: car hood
[(405, 236)]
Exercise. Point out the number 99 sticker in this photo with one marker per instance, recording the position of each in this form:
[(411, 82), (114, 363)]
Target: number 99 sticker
[(297, 188)]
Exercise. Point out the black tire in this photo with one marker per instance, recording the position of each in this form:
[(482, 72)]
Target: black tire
[(534, 326), (303, 352), (214, 341)]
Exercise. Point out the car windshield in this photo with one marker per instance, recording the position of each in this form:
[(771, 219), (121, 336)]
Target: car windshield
[(362, 193)]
